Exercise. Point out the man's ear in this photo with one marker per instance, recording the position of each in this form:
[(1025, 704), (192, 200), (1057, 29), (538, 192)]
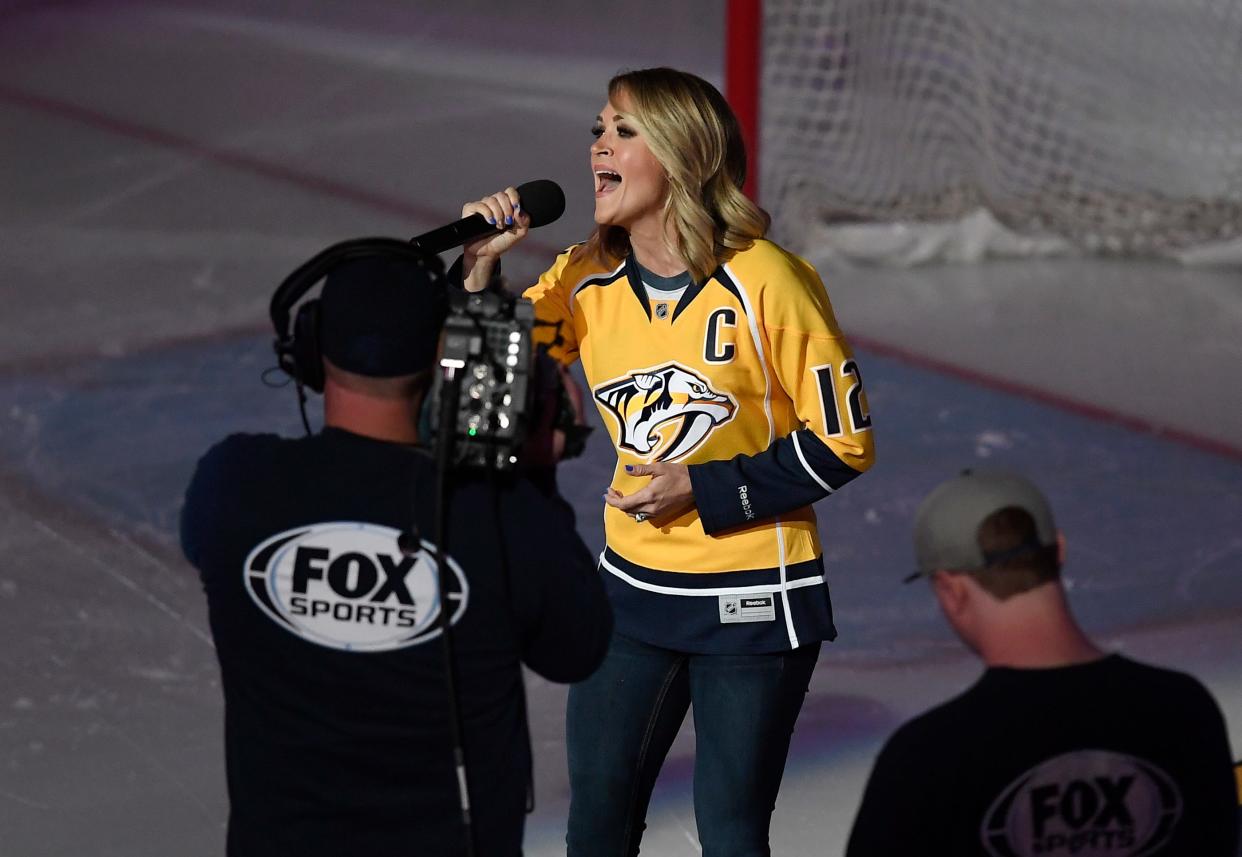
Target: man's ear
[(951, 591)]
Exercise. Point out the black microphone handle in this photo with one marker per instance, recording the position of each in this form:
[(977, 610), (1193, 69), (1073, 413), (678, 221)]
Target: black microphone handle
[(542, 200), (453, 234)]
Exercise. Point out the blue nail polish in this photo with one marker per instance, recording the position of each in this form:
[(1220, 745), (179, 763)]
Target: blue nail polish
[(492, 221), (508, 221), (517, 206), (629, 469)]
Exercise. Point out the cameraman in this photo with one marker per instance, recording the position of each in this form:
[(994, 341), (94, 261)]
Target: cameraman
[(337, 726)]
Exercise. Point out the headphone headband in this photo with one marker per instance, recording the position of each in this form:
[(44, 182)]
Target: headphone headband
[(297, 345)]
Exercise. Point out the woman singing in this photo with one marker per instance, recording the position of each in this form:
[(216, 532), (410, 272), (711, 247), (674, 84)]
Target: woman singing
[(734, 403)]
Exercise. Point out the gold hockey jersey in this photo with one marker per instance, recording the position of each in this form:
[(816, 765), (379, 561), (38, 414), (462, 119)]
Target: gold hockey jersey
[(747, 379)]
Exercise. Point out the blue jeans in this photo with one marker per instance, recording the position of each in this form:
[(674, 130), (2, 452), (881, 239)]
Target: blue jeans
[(622, 720)]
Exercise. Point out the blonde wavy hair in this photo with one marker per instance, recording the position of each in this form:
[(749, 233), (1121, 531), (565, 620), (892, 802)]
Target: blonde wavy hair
[(692, 132)]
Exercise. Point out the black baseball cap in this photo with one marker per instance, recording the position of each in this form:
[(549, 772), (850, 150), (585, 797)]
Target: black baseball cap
[(380, 316)]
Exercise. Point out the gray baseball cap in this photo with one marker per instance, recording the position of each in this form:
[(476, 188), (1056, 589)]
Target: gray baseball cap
[(946, 526)]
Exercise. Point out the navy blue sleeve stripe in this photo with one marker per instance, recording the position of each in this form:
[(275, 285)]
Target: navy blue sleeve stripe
[(789, 474)]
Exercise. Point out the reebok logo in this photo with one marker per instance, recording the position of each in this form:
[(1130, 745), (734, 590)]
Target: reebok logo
[(747, 608), (743, 493)]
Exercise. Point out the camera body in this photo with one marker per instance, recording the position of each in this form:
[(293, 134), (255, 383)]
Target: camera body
[(488, 349), (510, 401)]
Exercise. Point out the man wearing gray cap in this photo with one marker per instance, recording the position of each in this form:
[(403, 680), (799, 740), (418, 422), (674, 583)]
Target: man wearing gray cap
[(1059, 748)]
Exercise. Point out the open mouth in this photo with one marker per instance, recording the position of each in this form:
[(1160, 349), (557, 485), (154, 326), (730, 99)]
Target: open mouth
[(606, 180)]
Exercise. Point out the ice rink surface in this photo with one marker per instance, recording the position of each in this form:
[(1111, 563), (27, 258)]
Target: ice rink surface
[(164, 165)]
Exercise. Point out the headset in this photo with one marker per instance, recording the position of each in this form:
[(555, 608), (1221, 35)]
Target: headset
[(297, 345)]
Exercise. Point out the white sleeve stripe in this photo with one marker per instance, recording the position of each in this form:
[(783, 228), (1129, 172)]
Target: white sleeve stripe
[(806, 464)]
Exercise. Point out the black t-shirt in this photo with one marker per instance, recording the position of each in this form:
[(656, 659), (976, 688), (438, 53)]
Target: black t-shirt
[(1110, 757), (337, 732)]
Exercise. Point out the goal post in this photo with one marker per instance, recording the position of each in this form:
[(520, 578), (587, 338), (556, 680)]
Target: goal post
[(743, 55), (904, 130)]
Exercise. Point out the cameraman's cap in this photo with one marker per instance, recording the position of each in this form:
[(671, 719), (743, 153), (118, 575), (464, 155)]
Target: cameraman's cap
[(380, 316), (946, 526)]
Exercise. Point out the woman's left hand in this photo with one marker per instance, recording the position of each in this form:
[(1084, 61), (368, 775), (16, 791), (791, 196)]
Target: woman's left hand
[(668, 492)]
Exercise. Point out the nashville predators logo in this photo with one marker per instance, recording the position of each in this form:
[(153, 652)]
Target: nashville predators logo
[(666, 413)]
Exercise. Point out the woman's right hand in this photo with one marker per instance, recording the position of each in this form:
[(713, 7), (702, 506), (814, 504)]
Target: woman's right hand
[(505, 211), (479, 257)]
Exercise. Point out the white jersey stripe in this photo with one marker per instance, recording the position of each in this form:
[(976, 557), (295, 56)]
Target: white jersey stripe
[(767, 412), (785, 586), (715, 590), (807, 465), (763, 358)]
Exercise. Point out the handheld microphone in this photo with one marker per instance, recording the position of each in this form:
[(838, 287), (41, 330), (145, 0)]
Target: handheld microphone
[(542, 200)]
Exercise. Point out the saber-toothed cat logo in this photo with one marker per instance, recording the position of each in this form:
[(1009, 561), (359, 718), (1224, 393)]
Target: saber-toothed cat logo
[(664, 413)]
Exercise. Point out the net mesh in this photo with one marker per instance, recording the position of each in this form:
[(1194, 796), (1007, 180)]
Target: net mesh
[(1112, 124)]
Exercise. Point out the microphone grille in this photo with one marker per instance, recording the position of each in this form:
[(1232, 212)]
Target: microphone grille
[(543, 200)]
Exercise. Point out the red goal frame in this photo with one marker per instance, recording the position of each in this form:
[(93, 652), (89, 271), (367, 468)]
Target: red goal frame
[(743, 55)]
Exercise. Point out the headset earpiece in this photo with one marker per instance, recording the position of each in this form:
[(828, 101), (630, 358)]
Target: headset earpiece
[(307, 354)]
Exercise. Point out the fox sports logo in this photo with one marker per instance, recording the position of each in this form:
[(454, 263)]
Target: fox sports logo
[(1087, 803), (346, 585)]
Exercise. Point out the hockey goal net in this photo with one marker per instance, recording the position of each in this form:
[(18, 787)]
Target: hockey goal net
[(1109, 126)]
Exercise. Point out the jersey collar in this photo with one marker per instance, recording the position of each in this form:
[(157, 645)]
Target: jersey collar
[(634, 275)]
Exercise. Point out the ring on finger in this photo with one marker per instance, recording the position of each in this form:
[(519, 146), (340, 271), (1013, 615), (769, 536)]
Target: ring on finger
[(639, 517)]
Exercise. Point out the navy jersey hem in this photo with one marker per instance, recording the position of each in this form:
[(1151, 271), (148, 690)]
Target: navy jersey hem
[(756, 611)]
